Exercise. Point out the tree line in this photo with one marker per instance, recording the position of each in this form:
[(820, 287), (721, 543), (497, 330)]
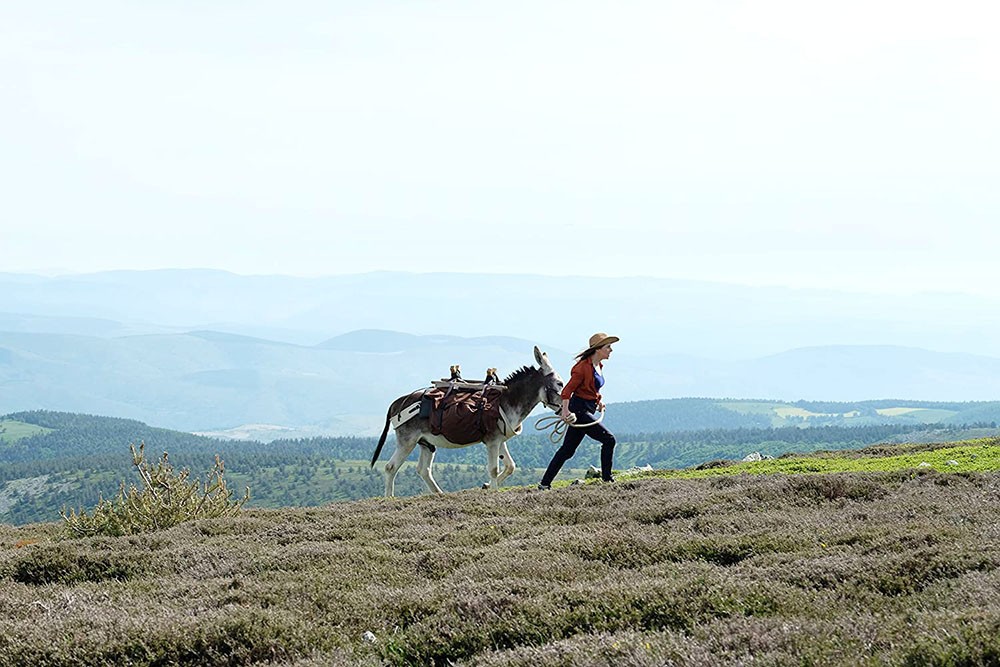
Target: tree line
[(86, 457)]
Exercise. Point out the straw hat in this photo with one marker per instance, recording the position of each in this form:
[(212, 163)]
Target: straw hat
[(600, 339)]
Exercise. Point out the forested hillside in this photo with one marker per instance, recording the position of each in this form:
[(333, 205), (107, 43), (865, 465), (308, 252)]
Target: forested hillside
[(679, 414), (78, 458), (52, 459)]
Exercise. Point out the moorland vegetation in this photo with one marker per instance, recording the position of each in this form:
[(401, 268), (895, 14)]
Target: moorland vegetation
[(895, 565)]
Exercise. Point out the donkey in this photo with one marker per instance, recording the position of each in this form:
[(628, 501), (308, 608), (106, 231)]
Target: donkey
[(526, 388)]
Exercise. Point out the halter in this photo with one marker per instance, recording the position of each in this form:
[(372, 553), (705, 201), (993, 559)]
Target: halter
[(550, 391), (512, 427)]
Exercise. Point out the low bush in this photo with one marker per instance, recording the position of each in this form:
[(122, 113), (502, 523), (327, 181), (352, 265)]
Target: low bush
[(166, 499)]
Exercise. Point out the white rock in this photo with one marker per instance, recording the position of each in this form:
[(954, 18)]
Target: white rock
[(952, 462), (923, 464), (369, 636)]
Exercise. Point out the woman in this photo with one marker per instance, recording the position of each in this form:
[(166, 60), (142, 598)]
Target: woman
[(581, 399)]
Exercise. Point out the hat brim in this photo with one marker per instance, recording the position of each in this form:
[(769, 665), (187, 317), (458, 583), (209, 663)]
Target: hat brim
[(603, 342)]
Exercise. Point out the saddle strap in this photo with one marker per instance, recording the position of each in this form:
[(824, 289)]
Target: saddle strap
[(405, 415), (509, 430)]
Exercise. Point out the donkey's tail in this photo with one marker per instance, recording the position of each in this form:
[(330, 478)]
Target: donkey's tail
[(381, 440)]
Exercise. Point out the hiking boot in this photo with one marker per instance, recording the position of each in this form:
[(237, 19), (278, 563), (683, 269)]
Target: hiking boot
[(609, 480), (544, 487)]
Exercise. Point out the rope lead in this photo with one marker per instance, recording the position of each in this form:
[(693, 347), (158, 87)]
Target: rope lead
[(559, 425)]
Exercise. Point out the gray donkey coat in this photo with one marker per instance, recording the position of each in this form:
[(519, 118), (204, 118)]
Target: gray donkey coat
[(526, 388)]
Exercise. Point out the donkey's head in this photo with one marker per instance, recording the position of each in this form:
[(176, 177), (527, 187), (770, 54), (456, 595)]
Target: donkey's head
[(549, 394)]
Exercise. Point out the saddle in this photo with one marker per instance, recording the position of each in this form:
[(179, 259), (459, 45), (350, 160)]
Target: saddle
[(461, 411)]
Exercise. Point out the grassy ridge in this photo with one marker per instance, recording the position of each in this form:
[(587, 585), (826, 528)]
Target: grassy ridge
[(970, 456), (895, 567)]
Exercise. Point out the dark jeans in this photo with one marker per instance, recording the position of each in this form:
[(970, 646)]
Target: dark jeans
[(584, 411)]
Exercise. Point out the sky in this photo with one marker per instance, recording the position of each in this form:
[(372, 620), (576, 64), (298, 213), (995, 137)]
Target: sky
[(850, 145)]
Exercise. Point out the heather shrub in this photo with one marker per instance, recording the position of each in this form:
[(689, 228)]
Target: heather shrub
[(454, 623), (166, 499), (657, 515), (723, 482), (912, 571), (66, 564), (626, 550), (821, 488), (604, 649), (835, 487), (240, 637), (976, 641), (726, 551), (714, 463)]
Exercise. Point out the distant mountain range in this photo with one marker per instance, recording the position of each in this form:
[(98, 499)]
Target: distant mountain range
[(652, 316), (212, 351), (208, 381)]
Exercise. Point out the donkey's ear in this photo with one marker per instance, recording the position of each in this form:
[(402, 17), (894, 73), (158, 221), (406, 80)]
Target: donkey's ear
[(539, 356)]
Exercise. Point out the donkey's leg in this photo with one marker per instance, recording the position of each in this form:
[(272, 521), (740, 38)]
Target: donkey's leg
[(404, 445), (492, 452), (424, 464), (508, 463)]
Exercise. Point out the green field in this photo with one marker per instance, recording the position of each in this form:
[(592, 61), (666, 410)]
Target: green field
[(751, 407), (925, 415), (972, 456), (783, 414), (11, 430)]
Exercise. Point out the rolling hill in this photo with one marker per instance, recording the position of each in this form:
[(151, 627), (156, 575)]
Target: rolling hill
[(210, 351), (211, 381)]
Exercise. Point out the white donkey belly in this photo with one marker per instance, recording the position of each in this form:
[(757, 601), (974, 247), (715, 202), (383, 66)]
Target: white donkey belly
[(443, 442)]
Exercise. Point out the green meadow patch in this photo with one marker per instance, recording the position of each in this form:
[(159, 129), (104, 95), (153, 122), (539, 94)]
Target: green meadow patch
[(965, 457), (926, 415), (12, 430)]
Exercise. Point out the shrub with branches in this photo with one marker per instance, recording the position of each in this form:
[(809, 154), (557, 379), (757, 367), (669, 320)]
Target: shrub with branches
[(165, 499)]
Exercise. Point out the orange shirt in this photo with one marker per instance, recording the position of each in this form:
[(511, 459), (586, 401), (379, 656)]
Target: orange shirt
[(581, 382)]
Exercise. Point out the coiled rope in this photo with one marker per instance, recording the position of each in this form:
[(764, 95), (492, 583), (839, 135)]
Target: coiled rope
[(559, 425)]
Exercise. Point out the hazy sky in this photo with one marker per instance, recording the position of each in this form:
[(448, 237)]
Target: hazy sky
[(842, 144)]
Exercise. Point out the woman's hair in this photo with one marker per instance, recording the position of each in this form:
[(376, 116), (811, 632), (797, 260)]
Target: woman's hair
[(586, 354)]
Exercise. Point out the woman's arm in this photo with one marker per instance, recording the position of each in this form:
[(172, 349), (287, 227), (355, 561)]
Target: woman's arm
[(576, 378)]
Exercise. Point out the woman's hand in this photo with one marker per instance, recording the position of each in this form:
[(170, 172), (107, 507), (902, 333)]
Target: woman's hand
[(600, 406)]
